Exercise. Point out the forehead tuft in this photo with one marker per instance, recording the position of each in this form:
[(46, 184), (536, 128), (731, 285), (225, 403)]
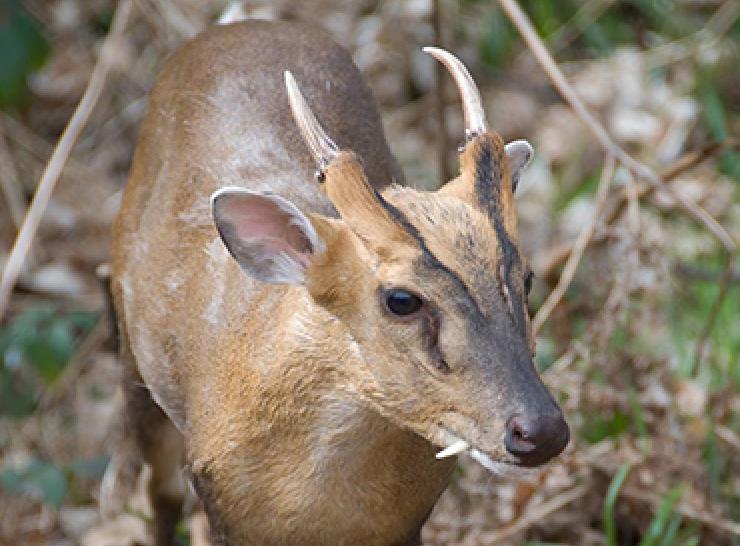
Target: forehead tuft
[(459, 235)]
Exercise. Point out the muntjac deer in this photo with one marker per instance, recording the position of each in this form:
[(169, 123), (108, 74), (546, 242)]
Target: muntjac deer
[(304, 346)]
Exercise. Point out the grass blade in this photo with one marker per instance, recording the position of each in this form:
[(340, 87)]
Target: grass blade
[(658, 524), (610, 526)]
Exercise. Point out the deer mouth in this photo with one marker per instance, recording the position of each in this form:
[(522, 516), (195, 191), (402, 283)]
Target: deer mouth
[(498, 467)]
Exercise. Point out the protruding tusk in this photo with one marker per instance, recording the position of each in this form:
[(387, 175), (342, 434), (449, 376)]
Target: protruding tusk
[(475, 119), (453, 449), (322, 147), (485, 461)]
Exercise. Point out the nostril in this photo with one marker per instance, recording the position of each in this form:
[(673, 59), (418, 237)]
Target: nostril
[(518, 437)]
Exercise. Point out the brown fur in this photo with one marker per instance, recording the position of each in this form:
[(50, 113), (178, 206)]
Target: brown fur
[(308, 414)]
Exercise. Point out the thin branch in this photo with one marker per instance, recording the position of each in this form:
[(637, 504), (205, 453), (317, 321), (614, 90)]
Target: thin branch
[(535, 516), (10, 183), (728, 436), (710, 34), (75, 367), (684, 509), (579, 247), (614, 207), (694, 157), (535, 44), (42, 150), (443, 138), (533, 41), (570, 30), (60, 155), (697, 273)]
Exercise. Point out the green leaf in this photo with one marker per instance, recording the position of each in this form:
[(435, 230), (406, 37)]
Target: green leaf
[(18, 396), (659, 522), (43, 480), (34, 349), (715, 118), (90, 469), (596, 428), (24, 49), (671, 531), (182, 534), (497, 41), (610, 526)]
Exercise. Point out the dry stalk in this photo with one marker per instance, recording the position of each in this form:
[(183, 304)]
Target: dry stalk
[(60, 155), (440, 79), (535, 516), (66, 382), (713, 30), (707, 518), (558, 79), (535, 44), (570, 30), (579, 247), (42, 150), (10, 183), (728, 436), (616, 206)]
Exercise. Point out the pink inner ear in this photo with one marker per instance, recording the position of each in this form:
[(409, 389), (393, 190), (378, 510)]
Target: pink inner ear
[(259, 219)]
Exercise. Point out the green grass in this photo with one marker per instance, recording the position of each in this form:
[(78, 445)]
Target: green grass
[(610, 501)]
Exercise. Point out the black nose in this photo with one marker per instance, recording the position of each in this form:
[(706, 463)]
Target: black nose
[(534, 440)]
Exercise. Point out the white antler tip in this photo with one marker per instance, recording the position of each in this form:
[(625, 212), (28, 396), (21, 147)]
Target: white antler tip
[(435, 51), (475, 120)]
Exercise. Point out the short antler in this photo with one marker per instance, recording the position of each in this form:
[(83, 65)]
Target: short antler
[(322, 147), (342, 174), (475, 118)]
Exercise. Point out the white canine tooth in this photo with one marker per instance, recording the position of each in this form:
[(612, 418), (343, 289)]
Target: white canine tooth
[(453, 449), (486, 461)]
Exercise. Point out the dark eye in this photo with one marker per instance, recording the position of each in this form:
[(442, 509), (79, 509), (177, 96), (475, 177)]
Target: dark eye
[(528, 282), (402, 303)]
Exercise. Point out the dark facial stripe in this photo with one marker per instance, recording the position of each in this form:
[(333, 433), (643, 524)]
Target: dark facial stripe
[(487, 184), (430, 260), (488, 180)]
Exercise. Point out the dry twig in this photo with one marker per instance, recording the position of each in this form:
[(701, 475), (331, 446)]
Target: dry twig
[(614, 207), (728, 436), (713, 31), (535, 44), (439, 87), (10, 183), (707, 518), (546, 61), (59, 157), (578, 248), (535, 516)]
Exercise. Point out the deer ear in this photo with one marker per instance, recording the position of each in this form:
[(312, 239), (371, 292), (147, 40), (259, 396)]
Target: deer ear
[(270, 238), (518, 153)]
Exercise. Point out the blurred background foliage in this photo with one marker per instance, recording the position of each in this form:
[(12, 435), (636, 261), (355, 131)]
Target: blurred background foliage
[(655, 449)]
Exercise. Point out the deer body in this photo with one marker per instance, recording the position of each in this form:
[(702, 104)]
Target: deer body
[(279, 389)]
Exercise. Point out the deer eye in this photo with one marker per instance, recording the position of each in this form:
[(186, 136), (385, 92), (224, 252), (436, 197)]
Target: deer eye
[(402, 303)]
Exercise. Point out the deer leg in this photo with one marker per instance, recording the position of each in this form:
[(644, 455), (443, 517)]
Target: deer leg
[(161, 447)]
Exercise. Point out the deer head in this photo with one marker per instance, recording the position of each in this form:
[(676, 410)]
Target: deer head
[(431, 286)]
